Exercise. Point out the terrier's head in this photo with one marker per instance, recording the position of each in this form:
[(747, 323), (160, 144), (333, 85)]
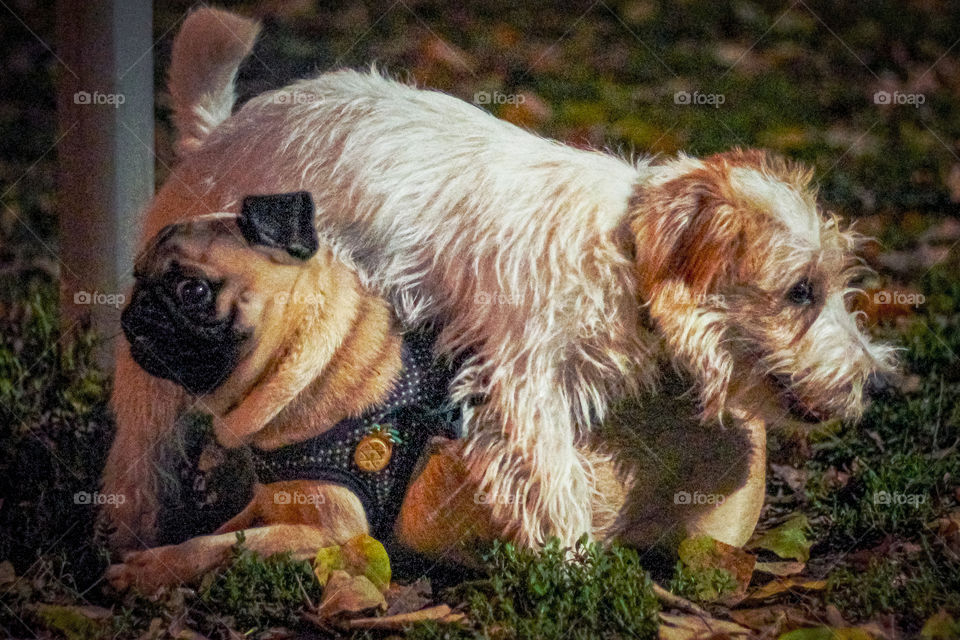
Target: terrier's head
[(749, 282)]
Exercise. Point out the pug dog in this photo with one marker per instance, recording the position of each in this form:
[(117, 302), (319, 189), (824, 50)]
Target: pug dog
[(249, 314)]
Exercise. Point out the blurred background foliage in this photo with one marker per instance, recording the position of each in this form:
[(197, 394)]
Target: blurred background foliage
[(801, 78)]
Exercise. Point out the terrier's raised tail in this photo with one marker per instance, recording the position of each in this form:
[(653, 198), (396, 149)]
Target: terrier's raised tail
[(207, 52)]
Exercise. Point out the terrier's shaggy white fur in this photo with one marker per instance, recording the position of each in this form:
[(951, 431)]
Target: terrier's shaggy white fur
[(561, 272)]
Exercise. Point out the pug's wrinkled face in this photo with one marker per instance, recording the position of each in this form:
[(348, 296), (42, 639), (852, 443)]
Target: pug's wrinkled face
[(207, 289)]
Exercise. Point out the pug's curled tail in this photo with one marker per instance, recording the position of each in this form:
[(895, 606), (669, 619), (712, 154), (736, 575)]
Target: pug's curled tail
[(207, 52)]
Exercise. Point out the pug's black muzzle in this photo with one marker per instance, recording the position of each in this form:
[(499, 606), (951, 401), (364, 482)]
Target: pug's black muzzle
[(169, 344)]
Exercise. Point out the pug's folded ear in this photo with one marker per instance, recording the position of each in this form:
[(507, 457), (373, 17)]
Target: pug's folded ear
[(281, 221)]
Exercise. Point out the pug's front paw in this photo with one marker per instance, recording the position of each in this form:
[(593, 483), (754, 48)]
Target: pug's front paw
[(148, 571)]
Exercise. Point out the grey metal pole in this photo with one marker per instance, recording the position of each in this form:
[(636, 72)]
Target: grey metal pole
[(106, 158)]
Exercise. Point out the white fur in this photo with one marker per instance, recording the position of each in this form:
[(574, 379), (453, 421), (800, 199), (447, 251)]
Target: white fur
[(795, 209)]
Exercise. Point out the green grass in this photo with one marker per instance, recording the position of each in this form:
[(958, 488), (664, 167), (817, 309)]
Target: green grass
[(55, 432), (702, 585), (596, 593), (258, 593), (913, 587)]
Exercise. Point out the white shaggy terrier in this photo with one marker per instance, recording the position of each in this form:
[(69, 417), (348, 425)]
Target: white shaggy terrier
[(564, 274)]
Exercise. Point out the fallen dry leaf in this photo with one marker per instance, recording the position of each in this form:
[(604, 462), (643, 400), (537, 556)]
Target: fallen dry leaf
[(703, 553), (835, 478), (948, 528), (440, 613), (829, 633), (947, 232), (7, 573), (526, 110), (884, 627), (90, 612), (780, 569), (360, 555), (834, 617), (877, 440), (782, 585), (407, 598), (346, 594), (673, 601), (674, 627), (772, 620), (940, 626), (437, 51), (74, 621), (794, 478), (788, 540)]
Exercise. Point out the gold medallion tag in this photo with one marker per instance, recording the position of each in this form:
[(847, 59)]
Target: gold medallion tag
[(373, 452)]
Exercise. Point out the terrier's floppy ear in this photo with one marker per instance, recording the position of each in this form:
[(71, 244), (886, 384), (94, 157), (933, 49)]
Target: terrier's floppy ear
[(282, 221), (692, 232)]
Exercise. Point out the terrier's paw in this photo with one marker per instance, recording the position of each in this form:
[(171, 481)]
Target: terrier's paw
[(148, 571)]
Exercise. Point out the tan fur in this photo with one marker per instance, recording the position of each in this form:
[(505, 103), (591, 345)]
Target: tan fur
[(130, 470), (443, 513), (322, 349)]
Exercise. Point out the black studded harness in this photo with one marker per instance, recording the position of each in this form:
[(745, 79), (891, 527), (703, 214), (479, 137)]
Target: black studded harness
[(215, 483)]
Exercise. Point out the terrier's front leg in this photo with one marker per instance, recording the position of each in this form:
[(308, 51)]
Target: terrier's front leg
[(524, 462)]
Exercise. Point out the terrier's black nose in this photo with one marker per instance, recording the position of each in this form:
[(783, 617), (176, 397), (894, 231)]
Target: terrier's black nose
[(877, 385)]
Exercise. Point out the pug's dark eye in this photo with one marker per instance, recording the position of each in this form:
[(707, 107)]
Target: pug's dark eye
[(194, 293), (801, 293)]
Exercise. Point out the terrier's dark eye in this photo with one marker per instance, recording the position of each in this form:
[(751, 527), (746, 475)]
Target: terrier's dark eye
[(194, 293), (801, 293)]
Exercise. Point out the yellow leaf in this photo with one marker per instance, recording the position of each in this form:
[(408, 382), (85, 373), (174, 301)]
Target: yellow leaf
[(361, 555)]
